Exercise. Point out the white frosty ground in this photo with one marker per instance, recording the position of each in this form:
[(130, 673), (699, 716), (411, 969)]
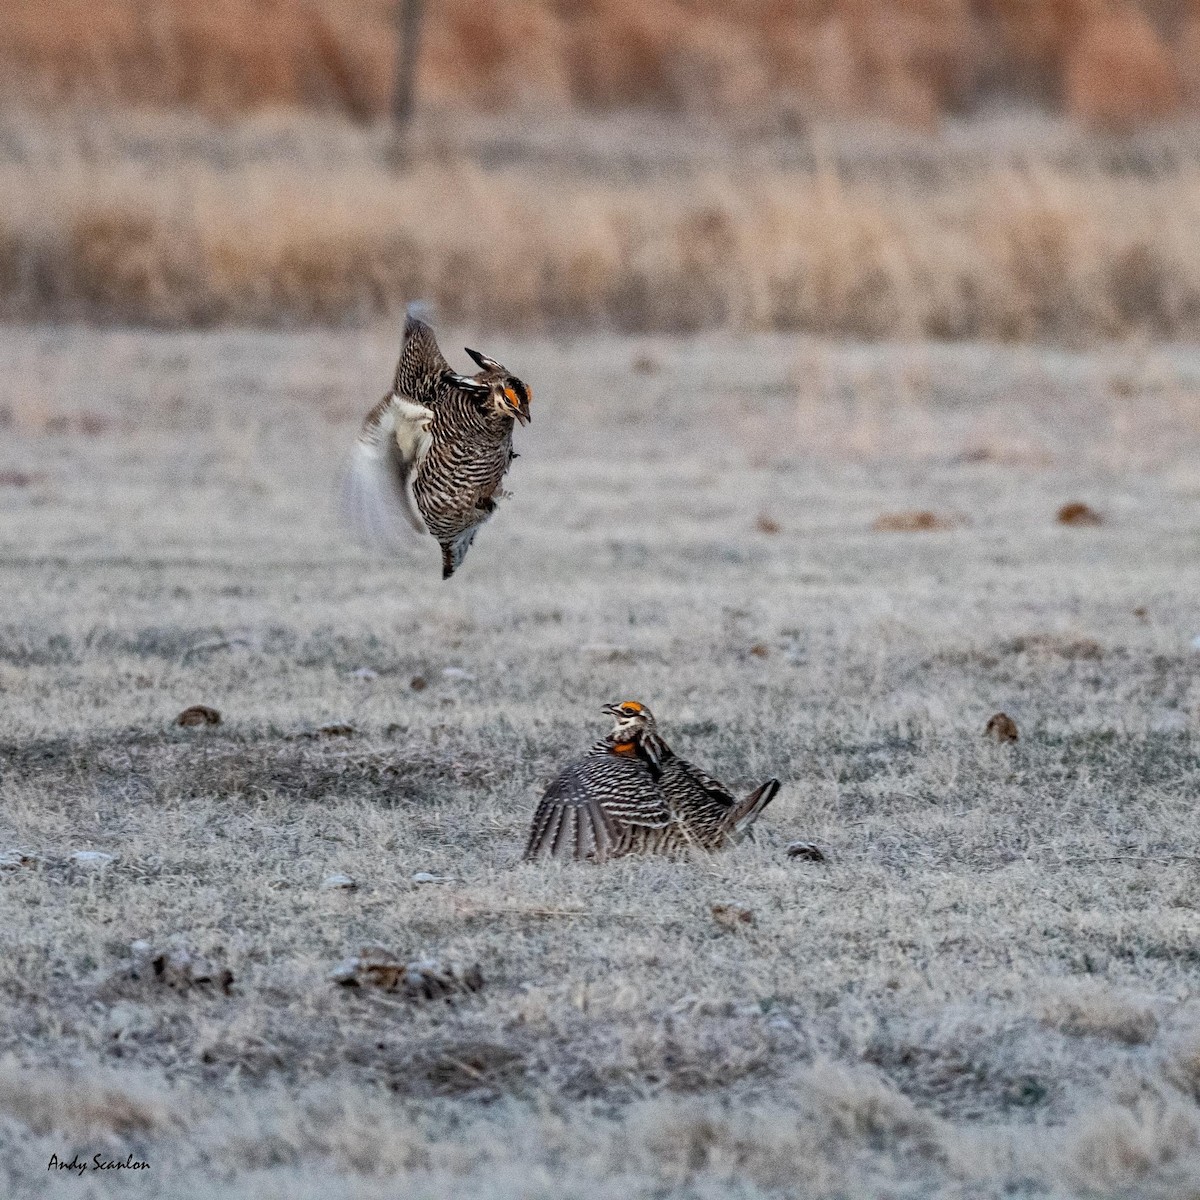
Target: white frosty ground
[(990, 989)]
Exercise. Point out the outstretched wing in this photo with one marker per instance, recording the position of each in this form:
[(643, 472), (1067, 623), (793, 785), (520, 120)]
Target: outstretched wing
[(377, 496), (702, 780), (422, 372), (421, 366), (588, 811)]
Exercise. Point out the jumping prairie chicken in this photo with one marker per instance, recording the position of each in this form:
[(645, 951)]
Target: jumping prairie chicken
[(633, 794), (433, 452)]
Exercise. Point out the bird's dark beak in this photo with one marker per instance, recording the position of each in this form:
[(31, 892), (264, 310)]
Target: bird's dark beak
[(612, 710), (521, 412)]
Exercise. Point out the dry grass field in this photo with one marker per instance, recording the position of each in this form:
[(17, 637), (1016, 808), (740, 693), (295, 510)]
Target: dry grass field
[(989, 989), (1010, 228)]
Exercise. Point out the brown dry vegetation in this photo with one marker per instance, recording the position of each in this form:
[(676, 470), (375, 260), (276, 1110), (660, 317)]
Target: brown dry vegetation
[(988, 989), (1115, 62), (1010, 230)]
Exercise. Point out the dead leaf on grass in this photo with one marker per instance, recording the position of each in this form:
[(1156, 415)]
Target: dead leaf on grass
[(732, 916), (198, 714), (425, 979), (1078, 513), (920, 520)]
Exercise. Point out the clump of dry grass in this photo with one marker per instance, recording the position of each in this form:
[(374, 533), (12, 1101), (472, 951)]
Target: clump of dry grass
[(998, 250), (83, 1103), (1093, 1011)]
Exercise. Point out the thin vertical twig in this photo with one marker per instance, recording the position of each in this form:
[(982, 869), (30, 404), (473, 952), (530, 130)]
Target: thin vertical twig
[(408, 14)]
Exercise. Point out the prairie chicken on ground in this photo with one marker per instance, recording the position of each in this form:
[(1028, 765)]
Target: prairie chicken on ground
[(632, 794), (433, 452)]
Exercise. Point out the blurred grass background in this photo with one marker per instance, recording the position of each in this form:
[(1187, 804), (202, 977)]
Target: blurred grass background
[(1114, 62), (1006, 168)]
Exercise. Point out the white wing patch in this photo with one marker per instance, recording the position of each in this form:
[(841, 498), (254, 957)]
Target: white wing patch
[(410, 431), (377, 494)]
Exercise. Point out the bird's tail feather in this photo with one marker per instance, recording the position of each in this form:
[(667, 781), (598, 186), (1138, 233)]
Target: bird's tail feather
[(419, 310), (747, 811)]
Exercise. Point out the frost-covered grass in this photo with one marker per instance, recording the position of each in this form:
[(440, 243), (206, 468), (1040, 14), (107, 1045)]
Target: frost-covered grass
[(990, 987)]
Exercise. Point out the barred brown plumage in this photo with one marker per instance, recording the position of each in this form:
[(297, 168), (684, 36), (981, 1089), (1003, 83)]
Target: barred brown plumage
[(632, 794), (434, 451)]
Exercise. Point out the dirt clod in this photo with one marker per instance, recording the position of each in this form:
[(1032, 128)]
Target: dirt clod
[(425, 979), (174, 965), (198, 714), (805, 851), (1001, 728), (1078, 513)]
